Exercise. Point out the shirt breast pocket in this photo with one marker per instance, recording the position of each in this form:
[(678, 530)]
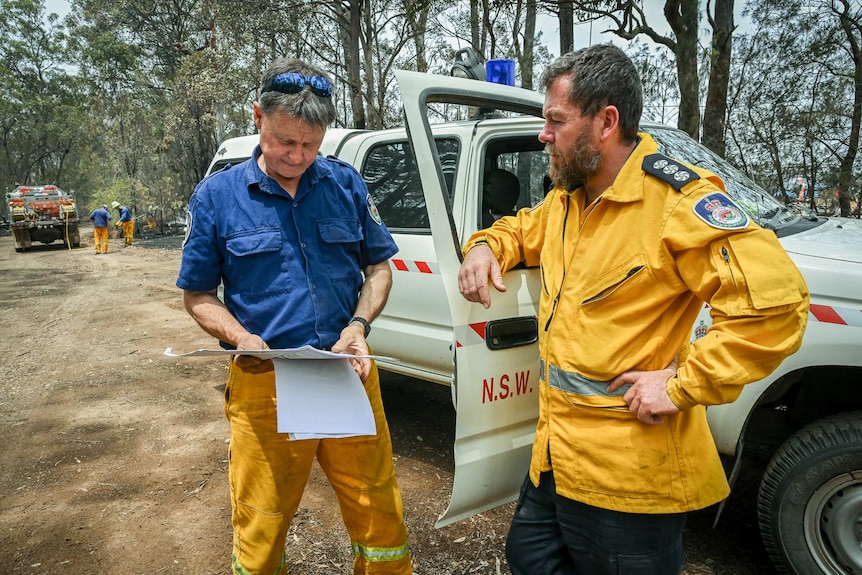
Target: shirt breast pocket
[(256, 261), (340, 246)]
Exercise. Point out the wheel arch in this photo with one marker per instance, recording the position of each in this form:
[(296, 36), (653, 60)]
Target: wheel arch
[(799, 398)]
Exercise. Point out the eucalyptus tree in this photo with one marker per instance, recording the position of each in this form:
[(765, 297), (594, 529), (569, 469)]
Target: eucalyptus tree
[(132, 54), (628, 20), (657, 71), (564, 10), (801, 96), (715, 111), (526, 47), (40, 103), (845, 44), (762, 115), (493, 34), (348, 15), (248, 35), (417, 15)]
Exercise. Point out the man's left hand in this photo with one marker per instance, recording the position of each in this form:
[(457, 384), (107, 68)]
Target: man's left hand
[(647, 397), (352, 341)]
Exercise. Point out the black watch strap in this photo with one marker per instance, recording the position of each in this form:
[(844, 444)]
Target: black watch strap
[(363, 321)]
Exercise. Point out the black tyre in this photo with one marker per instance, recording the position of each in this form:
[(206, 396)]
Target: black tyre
[(810, 501)]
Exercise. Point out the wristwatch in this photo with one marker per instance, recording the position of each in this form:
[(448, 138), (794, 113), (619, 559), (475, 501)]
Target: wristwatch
[(363, 321)]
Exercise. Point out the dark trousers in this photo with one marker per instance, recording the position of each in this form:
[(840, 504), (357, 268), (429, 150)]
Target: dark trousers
[(553, 535)]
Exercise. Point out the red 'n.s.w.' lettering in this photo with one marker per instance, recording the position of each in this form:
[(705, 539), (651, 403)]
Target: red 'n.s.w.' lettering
[(503, 388), (522, 378)]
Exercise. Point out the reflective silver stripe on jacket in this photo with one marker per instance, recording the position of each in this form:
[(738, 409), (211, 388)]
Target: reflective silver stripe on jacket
[(576, 383)]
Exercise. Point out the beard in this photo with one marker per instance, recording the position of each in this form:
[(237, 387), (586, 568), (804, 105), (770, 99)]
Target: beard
[(579, 163)]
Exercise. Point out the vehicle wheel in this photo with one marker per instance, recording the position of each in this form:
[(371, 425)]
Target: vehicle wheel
[(810, 501)]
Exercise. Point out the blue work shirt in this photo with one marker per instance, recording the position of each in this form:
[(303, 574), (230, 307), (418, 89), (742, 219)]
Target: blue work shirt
[(125, 214), (100, 217), (291, 267)]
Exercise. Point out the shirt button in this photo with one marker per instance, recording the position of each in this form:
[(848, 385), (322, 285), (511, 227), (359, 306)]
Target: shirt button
[(302, 246)]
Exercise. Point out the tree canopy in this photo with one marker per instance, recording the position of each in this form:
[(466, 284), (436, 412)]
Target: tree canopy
[(127, 100)]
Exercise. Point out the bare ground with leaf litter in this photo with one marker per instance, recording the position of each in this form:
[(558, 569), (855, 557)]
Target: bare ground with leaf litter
[(114, 457)]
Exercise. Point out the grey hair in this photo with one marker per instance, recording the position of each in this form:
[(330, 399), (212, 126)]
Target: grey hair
[(602, 75), (312, 109)]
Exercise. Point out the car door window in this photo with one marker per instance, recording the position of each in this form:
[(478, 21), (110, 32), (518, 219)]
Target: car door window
[(392, 177), (518, 162)]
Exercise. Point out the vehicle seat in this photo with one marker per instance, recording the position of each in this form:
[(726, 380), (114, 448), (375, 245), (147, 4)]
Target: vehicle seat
[(502, 189)]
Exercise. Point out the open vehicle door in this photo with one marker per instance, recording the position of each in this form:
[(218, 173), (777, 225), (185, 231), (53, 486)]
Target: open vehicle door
[(496, 359)]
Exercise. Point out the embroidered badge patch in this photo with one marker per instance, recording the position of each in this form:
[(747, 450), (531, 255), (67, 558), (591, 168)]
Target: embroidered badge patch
[(188, 226), (720, 212), (372, 210)]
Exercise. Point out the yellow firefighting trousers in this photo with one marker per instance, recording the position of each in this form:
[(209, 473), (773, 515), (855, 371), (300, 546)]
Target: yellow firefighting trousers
[(129, 231), (268, 473), (100, 237)]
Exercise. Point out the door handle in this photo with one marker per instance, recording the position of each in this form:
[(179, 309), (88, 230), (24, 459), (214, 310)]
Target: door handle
[(511, 332)]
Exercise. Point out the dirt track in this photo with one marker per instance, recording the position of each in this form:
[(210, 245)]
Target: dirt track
[(114, 457)]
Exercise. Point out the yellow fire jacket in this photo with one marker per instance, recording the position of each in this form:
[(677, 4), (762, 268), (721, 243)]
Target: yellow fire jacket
[(622, 282)]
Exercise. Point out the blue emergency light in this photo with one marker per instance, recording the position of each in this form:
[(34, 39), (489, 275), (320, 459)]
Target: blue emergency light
[(500, 71)]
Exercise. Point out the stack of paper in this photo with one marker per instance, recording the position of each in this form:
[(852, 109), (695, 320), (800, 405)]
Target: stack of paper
[(318, 394)]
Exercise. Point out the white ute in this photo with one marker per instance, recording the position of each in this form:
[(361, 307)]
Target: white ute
[(427, 182)]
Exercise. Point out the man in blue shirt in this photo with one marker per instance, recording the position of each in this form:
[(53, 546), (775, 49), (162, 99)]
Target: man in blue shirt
[(297, 242), (100, 217), (126, 221)]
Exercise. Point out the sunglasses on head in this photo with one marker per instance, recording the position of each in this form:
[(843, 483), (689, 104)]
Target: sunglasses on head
[(293, 83)]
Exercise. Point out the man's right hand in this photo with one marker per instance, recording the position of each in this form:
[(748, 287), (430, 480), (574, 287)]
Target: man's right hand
[(251, 363), (479, 266)]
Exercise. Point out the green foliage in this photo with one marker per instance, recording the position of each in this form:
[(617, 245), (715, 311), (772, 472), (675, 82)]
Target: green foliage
[(129, 192), (40, 115), (127, 101), (793, 89)]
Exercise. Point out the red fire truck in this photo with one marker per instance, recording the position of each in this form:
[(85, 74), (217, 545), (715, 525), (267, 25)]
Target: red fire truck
[(42, 214)]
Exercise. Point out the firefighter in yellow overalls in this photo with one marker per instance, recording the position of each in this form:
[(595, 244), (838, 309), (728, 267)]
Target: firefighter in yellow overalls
[(126, 221), (630, 244), (299, 246), (100, 217)]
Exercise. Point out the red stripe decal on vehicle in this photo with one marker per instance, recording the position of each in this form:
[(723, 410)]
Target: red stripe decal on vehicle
[(479, 328), (423, 267), (826, 314), (399, 265)]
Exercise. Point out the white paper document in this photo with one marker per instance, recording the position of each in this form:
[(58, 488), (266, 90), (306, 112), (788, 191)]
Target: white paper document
[(321, 398), (304, 352), (318, 397)]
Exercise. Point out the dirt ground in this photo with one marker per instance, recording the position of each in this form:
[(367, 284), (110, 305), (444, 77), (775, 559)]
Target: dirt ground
[(114, 457)]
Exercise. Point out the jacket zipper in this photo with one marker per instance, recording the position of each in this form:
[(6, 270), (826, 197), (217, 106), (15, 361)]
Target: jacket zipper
[(563, 256)]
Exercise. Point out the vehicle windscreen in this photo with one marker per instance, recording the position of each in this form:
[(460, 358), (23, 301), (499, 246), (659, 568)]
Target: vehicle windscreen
[(768, 212)]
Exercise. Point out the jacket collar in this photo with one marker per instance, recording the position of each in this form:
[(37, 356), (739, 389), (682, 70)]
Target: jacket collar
[(626, 187)]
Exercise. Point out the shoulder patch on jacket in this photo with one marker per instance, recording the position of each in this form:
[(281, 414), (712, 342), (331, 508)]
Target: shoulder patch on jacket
[(372, 209), (720, 212), (668, 170)]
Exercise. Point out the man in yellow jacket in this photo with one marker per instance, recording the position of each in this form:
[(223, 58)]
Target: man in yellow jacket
[(630, 244)]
